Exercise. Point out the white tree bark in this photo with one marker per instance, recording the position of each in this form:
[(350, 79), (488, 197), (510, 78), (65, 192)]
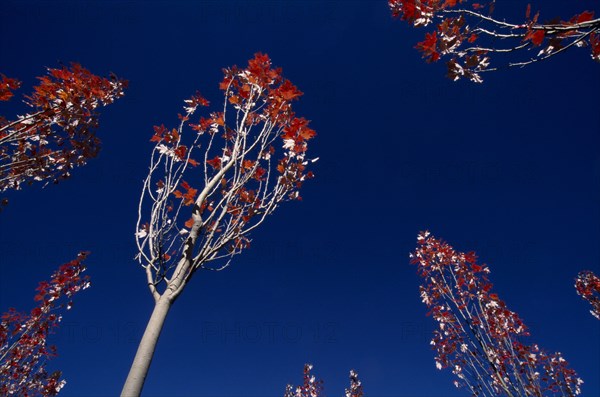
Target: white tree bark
[(141, 363)]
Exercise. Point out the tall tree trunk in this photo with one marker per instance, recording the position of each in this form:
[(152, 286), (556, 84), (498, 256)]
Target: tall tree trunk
[(139, 369)]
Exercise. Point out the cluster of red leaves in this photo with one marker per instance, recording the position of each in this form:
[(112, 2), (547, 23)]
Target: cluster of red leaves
[(478, 336), (260, 92), (277, 95), (451, 33), (7, 86), (543, 35), (295, 135), (172, 137), (587, 285), (468, 36), (162, 134), (189, 196), (59, 132), (23, 337)]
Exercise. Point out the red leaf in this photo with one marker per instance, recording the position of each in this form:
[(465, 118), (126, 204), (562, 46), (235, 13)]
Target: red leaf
[(198, 99), (583, 17), (289, 91), (259, 173), (160, 130), (174, 135), (225, 83), (536, 37), (449, 3), (215, 163), (180, 152), (190, 196), (429, 47), (6, 85), (159, 133), (218, 119), (307, 133), (189, 223)]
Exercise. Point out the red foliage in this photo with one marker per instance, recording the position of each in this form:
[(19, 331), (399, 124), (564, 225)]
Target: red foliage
[(478, 336), (536, 37), (7, 85), (215, 162), (23, 337), (469, 36), (254, 157), (429, 47), (189, 196), (59, 132), (588, 287)]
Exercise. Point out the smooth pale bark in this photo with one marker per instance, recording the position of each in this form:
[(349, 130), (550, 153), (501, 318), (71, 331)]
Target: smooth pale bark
[(139, 369), (183, 272)]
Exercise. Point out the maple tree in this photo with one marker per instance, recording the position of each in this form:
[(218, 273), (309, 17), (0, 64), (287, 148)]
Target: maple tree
[(58, 133), (313, 387), (478, 336), (587, 285), (469, 36), (24, 348), (196, 210)]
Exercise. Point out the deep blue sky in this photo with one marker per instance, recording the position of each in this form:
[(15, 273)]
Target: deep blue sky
[(510, 169)]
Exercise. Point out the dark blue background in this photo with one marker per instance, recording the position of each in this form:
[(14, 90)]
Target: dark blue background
[(509, 168)]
